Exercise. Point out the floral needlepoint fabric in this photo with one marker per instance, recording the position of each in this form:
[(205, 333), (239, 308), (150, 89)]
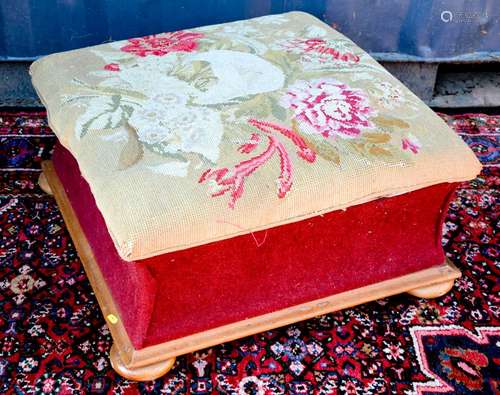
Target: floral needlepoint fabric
[(227, 129)]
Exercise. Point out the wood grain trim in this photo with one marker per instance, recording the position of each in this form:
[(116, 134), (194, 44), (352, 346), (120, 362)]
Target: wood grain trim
[(104, 298), (150, 355)]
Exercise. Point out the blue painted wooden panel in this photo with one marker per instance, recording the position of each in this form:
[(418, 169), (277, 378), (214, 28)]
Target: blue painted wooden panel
[(402, 29)]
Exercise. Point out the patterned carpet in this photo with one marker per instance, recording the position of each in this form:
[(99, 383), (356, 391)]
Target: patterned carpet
[(53, 339)]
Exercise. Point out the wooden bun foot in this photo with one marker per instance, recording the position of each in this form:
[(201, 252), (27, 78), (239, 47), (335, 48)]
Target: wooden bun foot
[(433, 290), (44, 184), (144, 373)]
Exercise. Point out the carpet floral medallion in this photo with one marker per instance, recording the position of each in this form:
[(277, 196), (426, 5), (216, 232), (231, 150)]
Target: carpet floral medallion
[(53, 339)]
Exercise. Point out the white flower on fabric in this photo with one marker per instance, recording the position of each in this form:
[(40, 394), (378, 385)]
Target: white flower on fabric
[(238, 74), (165, 123), (151, 123), (202, 132), (389, 95), (154, 130)]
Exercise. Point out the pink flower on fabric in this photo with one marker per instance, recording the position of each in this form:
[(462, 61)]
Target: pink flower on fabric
[(162, 44), (232, 181), (411, 143), (328, 107), (112, 67)]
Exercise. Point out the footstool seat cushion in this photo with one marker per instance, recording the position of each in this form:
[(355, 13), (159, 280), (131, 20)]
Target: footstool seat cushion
[(199, 136)]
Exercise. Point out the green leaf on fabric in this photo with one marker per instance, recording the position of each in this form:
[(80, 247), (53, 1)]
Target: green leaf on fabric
[(387, 121), (278, 111), (320, 145), (258, 106), (377, 138), (132, 152), (103, 112)]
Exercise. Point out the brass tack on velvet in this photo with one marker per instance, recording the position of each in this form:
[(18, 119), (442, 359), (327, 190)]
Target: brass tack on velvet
[(113, 319)]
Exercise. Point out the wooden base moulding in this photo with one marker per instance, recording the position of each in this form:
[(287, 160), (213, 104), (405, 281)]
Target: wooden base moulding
[(154, 361)]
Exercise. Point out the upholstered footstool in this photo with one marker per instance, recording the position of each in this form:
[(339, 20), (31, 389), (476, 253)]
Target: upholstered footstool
[(231, 179)]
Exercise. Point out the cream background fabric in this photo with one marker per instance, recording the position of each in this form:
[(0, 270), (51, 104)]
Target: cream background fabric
[(192, 137)]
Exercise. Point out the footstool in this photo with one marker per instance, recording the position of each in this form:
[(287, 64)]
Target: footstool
[(231, 179)]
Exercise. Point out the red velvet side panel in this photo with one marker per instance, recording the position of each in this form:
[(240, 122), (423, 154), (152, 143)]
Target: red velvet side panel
[(234, 279), (230, 280), (132, 286)]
